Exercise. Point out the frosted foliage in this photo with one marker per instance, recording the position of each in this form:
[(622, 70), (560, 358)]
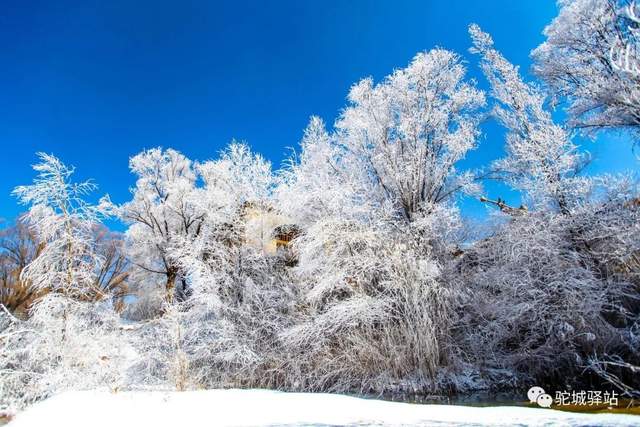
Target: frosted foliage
[(238, 174), (226, 329), (407, 133), (372, 295), (164, 210), (63, 223), (65, 345), (314, 184), (394, 149), (575, 62), (375, 195), (566, 285), (541, 160)]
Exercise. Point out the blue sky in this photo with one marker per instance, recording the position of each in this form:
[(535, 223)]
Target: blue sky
[(95, 82)]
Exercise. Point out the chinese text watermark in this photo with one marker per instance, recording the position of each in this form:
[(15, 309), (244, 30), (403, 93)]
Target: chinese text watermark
[(578, 398)]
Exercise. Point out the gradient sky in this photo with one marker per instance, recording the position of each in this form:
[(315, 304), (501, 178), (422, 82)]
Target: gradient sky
[(95, 82)]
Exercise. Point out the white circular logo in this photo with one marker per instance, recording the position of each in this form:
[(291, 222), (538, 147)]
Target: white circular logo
[(534, 393), (545, 400)]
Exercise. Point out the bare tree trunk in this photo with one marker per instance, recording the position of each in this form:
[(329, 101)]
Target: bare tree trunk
[(170, 287)]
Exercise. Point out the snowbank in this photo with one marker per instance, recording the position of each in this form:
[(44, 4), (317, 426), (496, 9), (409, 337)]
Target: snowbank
[(264, 407)]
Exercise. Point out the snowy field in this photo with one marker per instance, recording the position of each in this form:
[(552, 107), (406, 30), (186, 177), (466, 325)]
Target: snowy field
[(271, 408)]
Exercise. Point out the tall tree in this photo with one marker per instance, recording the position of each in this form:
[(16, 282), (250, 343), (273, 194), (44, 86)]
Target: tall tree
[(541, 158), (578, 63), (161, 213), (63, 223), (405, 135)]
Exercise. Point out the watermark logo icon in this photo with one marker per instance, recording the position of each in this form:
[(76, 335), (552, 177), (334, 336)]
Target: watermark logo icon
[(545, 400), (538, 395), (533, 393)]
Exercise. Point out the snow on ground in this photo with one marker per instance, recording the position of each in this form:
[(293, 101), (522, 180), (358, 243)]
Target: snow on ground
[(272, 408)]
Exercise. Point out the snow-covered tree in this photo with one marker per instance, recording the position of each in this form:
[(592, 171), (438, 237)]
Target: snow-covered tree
[(227, 329), (405, 135), (237, 194), (63, 222), (236, 199), (241, 175), (71, 339), (541, 160), (162, 213), (539, 295), (578, 63), (375, 198), (313, 184)]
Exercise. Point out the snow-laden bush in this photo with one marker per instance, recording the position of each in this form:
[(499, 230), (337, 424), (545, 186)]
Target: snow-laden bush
[(224, 335), (64, 345), (376, 316), (548, 294), (370, 314), (555, 289)]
